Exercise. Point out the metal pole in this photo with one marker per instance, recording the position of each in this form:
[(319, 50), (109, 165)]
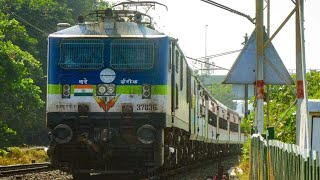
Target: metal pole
[(259, 69), (245, 86), (279, 28), (268, 86), (205, 50), (303, 123), (298, 73), (268, 18), (246, 100)]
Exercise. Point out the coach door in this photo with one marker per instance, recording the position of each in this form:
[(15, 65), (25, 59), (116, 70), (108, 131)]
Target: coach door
[(173, 81)]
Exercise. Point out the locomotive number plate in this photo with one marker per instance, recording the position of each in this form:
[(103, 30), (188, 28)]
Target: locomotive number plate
[(147, 107)]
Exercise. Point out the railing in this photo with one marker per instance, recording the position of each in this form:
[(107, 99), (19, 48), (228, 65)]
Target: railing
[(275, 160)]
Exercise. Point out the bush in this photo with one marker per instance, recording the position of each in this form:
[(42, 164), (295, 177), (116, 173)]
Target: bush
[(245, 164), (17, 155)]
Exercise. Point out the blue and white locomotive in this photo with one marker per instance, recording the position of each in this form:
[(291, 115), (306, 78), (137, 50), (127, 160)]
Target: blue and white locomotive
[(122, 99)]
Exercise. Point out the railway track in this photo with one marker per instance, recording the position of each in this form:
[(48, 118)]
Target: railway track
[(169, 174), (7, 171), (11, 170)]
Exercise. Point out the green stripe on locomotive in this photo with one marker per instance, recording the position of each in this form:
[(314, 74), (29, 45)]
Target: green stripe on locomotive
[(120, 89)]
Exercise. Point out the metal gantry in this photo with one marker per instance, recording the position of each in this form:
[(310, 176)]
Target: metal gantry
[(303, 122)]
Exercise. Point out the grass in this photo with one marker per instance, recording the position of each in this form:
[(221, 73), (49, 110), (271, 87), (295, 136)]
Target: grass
[(16, 155), (244, 164)]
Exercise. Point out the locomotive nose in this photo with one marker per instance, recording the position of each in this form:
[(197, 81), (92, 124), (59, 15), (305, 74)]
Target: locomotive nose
[(62, 133)]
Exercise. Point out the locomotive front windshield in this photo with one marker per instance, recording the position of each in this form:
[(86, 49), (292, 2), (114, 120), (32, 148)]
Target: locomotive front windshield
[(121, 54), (132, 54), (81, 54)]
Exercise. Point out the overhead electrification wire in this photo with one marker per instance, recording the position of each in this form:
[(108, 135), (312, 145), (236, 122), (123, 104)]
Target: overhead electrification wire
[(23, 20), (220, 54), (222, 68), (41, 23), (252, 20)]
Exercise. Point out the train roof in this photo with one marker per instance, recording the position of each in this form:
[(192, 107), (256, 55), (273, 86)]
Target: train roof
[(108, 28)]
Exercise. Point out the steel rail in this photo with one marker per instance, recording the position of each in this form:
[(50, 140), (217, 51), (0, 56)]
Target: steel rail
[(23, 169)]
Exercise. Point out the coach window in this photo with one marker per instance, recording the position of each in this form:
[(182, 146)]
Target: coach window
[(214, 120), (181, 73), (223, 124), (234, 127), (211, 118), (177, 60)]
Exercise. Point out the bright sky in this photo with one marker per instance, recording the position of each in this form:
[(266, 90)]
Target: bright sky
[(187, 19)]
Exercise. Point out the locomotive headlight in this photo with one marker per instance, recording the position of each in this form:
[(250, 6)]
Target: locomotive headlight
[(111, 88), (62, 133), (66, 91), (146, 134), (102, 89), (106, 89), (146, 91)]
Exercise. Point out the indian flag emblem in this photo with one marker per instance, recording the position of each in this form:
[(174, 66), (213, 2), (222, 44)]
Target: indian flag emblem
[(83, 90)]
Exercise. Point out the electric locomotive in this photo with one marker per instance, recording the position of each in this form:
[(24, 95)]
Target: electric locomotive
[(122, 99)]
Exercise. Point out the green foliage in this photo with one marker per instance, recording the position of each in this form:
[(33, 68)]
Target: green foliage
[(246, 150), (19, 36), (244, 162), (20, 96), (83, 7), (281, 98), (40, 18), (5, 134), (313, 85), (223, 93), (17, 155), (248, 123)]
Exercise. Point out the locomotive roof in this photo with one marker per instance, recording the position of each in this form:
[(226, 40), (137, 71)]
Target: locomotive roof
[(109, 28)]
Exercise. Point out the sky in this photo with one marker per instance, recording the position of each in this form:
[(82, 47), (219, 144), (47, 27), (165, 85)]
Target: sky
[(188, 20)]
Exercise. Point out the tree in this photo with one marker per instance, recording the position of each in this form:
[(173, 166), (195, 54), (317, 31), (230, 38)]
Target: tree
[(83, 7), (5, 134), (223, 93), (313, 84), (40, 18), (20, 96)]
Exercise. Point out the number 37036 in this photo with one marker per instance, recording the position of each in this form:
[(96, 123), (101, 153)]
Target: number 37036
[(147, 107)]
